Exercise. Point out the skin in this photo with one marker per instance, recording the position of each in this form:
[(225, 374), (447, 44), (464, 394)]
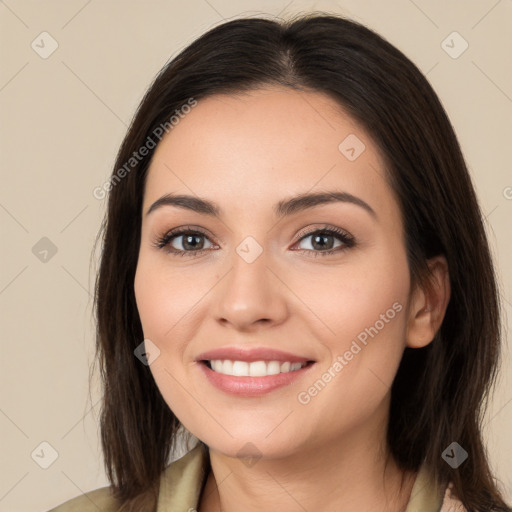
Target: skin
[(246, 152)]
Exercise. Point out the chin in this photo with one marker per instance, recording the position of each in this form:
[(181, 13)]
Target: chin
[(253, 446)]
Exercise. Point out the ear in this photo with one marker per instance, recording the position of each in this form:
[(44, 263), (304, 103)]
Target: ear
[(427, 307)]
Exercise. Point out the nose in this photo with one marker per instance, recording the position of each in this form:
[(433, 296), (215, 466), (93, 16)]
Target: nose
[(251, 295)]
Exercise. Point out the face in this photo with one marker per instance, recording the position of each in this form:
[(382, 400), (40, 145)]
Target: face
[(322, 284)]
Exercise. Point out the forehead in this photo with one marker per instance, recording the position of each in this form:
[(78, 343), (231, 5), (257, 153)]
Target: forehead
[(248, 151)]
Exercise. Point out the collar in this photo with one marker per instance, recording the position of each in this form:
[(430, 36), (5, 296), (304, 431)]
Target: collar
[(426, 496), (183, 480)]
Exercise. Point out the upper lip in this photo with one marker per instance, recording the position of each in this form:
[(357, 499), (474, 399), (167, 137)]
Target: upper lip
[(250, 354)]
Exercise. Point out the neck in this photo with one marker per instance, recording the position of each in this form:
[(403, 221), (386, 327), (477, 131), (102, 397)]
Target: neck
[(339, 476)]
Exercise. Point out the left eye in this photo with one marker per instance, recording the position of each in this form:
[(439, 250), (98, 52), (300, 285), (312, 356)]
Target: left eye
[(324, 241)]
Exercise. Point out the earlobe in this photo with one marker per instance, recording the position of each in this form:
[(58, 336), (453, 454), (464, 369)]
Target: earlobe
[(428, 306)]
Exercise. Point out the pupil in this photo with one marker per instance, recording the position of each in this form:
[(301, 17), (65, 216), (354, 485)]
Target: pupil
[(189, 241), (316, 245)]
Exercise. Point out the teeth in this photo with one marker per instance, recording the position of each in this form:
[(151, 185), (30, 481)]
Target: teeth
[(240, 368), (254, 369)]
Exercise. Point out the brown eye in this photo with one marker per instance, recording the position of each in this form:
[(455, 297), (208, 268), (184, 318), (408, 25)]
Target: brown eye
[(189, 242), (181, 242), (323, 241)]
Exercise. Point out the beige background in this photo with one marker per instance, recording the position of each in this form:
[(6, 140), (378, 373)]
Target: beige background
[(63, 118)]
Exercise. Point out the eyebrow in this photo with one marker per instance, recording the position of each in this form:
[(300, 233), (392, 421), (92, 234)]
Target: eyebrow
[(283, 208)]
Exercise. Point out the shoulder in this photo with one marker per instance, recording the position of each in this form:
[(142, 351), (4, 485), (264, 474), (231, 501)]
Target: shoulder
[(180, 486), (92, 501)]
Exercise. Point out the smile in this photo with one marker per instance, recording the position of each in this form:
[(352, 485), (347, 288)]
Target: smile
[(253, 369)]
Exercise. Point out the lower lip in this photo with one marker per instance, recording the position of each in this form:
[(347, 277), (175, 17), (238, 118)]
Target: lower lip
[(252, 386)]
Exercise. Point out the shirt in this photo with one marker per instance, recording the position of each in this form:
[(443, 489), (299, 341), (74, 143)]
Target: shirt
[(182, 481)]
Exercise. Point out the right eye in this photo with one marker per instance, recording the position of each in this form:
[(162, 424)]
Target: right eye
[(191, 242)]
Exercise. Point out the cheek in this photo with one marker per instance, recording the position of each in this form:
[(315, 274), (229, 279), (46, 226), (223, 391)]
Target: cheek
[(163, 315), (159, 313), (365, 355), (357, 298), (362, 308), (164, 297), (148, 296)]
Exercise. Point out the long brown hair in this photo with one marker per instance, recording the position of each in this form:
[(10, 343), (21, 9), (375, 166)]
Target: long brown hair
[(440, 392)]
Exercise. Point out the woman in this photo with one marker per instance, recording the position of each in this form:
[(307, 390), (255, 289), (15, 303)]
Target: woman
[(350, 381)]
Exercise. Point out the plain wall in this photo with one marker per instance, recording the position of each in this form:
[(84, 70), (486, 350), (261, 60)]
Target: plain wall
[(62, 120)]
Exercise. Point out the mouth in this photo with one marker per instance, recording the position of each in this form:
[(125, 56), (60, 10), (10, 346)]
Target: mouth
[(252, 371), (254, 368)]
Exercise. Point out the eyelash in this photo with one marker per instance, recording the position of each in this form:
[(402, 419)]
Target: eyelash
[(163, 241)]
